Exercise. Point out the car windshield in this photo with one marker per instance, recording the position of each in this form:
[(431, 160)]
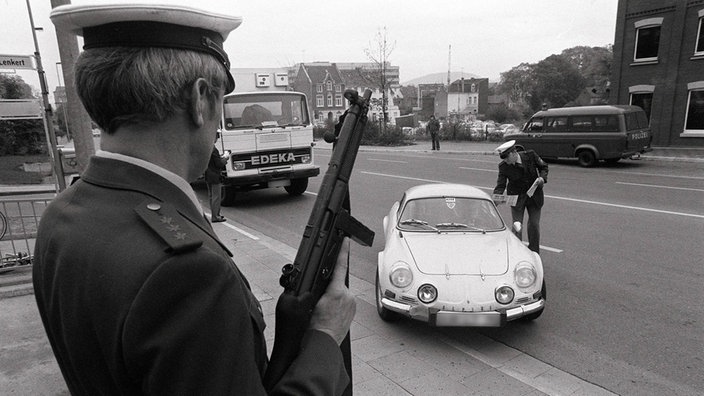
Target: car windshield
[(262, 111), (450, 214)]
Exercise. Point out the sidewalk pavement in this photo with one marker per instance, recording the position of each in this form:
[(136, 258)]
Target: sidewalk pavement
[(406, 358)]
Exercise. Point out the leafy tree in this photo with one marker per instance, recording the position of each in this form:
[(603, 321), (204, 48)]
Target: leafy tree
[(14, 87), (557, 82), (19, 136)]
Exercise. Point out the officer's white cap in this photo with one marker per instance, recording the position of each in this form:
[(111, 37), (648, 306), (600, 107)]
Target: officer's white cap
[(505, 148), (148, 25)]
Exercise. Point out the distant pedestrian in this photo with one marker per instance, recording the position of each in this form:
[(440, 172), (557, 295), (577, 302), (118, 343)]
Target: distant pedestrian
[(433, 128), (213, 175)]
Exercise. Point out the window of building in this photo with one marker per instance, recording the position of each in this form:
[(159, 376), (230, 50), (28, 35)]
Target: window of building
[(319, 88), (694, 119), (699, 47), (319, 101), (328, 85), (329, 100), (647, 40), (338, 87), (642, 95), (338, 100)]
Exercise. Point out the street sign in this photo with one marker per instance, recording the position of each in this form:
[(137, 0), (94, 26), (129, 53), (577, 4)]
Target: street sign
[(17, 62), (21, 109)]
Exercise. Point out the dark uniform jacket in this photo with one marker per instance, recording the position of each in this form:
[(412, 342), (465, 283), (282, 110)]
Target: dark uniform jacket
[(138, 296), (521, 176), (215, 167)]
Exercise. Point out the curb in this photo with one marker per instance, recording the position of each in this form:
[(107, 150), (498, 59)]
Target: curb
[(17, 282)]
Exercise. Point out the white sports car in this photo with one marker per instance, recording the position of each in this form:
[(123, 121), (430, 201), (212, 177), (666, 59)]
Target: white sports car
[(450, 260)]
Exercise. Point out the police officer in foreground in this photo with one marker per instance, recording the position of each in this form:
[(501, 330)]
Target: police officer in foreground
[(521, 171), (135, 291)]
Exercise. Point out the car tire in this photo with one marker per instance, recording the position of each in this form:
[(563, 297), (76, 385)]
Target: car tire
[(297, 187), (586, 158), (536, 314), (227, 196), (385, 314)]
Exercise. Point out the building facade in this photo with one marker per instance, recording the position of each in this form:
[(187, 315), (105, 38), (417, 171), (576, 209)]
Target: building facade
[(659, 66), (260, 79), (324, 87), (464, 97)]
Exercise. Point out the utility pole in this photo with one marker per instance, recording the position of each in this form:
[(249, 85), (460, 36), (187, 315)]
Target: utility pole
[(81, 133), (48, 122)]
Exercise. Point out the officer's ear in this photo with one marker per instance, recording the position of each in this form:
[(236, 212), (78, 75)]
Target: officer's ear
[(200, 104)]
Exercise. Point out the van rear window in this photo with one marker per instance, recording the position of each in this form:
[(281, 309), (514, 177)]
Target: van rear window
[(636, 120)]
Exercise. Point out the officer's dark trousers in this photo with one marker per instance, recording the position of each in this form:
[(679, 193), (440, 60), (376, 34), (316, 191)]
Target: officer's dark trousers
[(533, 223)]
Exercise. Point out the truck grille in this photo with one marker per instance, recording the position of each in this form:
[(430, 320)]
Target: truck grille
[(274, 158)]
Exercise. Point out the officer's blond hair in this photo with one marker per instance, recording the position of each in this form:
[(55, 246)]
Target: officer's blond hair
[(124, 85)]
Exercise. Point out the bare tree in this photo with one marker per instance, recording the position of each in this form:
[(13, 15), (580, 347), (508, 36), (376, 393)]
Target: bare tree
[(379, 54)]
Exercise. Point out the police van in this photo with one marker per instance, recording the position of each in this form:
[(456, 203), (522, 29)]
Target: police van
[(269, 138), (588, 133)]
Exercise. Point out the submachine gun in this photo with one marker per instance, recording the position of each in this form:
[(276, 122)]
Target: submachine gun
[(330, 222)]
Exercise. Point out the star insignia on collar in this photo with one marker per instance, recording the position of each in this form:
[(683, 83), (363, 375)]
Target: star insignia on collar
[(180, 235), (174, 227), (166, 220)]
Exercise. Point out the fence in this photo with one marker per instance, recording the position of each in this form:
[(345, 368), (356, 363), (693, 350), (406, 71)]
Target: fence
[(19, 219)]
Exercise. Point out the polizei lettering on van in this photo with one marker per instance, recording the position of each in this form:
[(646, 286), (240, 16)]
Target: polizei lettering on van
[(272, 159)]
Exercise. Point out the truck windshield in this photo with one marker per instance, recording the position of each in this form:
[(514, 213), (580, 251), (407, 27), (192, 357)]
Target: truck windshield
[(261, 111)]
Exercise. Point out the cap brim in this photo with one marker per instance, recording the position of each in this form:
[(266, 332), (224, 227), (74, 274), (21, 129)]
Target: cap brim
[(76, 17)]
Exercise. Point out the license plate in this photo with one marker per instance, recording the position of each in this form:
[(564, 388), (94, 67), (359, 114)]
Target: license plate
[(469, 319)]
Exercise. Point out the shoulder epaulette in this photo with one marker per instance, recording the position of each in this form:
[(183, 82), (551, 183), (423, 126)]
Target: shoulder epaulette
[(178, 233)]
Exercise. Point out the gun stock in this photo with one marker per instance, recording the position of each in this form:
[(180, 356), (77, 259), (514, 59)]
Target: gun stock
[(330, 222)]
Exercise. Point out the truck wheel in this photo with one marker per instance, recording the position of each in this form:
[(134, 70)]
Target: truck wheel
[(586, 158), (227, 196), (297, 187)]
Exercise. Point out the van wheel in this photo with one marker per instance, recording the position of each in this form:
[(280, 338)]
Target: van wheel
[(297, 187), (586, 158), (227, 196)]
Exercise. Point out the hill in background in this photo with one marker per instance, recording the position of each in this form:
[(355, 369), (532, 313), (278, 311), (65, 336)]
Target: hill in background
[(438, 78)]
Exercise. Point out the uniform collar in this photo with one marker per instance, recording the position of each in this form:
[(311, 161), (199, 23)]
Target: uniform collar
[(175, 179)]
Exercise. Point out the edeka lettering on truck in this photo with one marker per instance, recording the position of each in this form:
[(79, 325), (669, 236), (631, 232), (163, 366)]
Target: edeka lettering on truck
[(273, 158)]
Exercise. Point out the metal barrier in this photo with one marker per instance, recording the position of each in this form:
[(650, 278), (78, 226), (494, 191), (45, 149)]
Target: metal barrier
[(19, 219)]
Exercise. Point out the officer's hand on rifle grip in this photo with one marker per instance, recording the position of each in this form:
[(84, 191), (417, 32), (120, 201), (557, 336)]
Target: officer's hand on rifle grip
[(336, 308)]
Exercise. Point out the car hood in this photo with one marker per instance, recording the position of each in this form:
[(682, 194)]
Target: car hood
[(459, 253)]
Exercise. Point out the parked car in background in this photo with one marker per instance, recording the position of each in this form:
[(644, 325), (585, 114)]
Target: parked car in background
[(449, 260), (588, 133)]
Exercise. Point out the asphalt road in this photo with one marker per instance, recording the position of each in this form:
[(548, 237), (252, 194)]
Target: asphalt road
[(622, 250)]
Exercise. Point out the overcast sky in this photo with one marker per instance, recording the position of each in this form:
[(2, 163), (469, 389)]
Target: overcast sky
[(487, 37)]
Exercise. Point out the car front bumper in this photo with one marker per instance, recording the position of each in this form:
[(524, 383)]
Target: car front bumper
[(464, 319)]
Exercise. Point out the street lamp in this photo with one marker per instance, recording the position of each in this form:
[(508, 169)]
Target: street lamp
[(48, 125)]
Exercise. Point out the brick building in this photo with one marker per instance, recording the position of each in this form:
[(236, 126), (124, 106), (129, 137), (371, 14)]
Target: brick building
[(659, 65), (324, 87)]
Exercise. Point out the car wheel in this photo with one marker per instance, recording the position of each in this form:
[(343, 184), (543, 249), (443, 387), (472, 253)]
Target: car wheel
[(297, 187), (586, 158), (384, 314), (536, 315), (227, 196)]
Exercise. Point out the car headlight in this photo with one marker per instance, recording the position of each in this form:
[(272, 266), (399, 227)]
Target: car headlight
[(525, 275), (504, 294), (238, 165), (427, 293), (305, 159), (401, 275)]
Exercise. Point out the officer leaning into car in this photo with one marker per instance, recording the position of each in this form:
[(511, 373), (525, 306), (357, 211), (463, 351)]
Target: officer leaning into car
[(136, 292), (518, 171)]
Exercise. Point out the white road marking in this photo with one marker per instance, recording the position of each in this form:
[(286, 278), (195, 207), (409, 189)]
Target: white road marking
[(556, 197), (478, 169), (385, 160), (657, 186), (241, 231)]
